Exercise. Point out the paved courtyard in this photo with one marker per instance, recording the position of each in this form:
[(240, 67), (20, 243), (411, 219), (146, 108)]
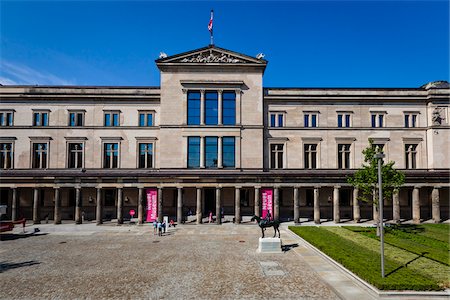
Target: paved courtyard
[(190, 262)]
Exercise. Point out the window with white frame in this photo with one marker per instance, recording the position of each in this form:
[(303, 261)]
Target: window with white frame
[(277, 119), (410, 156), (276, 156), (344, 119), (7, 118), (111, 118), (146, 118), (110, 155), (344, 156), (410, 119), (75, 155), (6, 155), (310, 156), (378, 119), (310, 119), (146, 155), (39, 155), (40, 117), (76, 118)]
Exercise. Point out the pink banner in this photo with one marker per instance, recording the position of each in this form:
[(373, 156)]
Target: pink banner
[(267, 202), (152, 204)]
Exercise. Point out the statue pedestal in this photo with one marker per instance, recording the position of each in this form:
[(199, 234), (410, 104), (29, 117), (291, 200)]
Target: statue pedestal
[(269, 245)]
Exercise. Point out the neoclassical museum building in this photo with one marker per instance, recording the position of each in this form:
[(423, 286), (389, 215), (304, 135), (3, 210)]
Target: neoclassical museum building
[(212, 138)]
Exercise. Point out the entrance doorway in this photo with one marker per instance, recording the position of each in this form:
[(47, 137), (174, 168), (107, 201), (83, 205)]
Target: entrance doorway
[(210, 202)]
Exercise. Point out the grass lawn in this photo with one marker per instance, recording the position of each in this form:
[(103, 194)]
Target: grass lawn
[(416, 256)]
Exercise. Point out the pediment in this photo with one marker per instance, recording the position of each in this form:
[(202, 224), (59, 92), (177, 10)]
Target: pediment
[(211, 55)]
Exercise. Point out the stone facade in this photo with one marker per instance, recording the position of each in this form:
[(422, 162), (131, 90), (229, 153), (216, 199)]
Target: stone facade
[(316, 137)]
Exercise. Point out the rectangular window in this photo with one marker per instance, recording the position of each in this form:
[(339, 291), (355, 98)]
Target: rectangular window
[(110, 155), (211, 108), (40, 155), (6, 156), (228, 152), (378, 147), (6, 118), (193, 107), (211, 152), (75, 155), (76, 118), (410, 156), (310, 154), (194, 152), (343, 120), (310, 119), (145, 119), (309, 197), (145, 155), (228, 108), (276, 119), (344, 156), (377, 119), (111, 119), (276, 156), (40, 118), (410, 120)]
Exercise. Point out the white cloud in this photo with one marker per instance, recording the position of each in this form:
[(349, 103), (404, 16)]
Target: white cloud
[(14, 73), (7, 81)]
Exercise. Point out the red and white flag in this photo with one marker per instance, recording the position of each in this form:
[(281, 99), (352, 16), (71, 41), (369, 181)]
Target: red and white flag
[(210, 24)]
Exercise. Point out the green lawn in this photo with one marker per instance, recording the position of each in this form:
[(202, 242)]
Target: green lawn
[(416, 257)]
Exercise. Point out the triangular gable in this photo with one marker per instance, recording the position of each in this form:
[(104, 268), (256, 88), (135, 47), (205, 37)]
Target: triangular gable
[(211, 55)]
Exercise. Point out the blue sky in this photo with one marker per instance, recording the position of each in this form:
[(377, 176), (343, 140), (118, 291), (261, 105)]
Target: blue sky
[(307, 43)]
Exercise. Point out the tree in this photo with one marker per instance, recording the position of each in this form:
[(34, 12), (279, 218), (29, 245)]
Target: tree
[(366, 178)]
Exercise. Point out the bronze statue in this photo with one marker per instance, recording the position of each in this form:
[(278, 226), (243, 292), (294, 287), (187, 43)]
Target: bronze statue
[(264, 223)]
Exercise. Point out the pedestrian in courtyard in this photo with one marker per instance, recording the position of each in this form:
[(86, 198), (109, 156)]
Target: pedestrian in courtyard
[(155, 227), (159, 225), (210, 217), (163, 225)]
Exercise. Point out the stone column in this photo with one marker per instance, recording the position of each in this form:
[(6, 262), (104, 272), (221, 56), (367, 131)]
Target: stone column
[(202, 107), (119, 206), (202, 152), (237, 205), (296, 206), (219, 107), (57, 199), (336, 209), (199, 205), (179, 205), (415, 206), (15, 205), (276, 202), (435, 206), (356, 209), (160, 205), (316, 206), (219, 153), (218, 206), (396, 207), (36, 207), (140, 206), (257, 202), (99, 208), (78, 206)]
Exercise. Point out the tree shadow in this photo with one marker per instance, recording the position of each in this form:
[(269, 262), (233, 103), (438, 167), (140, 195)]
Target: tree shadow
[(406, 264), (16, 236), (5, 266), (288, 247), (406, 228)]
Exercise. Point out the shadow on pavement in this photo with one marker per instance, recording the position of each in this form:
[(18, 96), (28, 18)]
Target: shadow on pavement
[(288, 247), (5, 266), (16, 236)]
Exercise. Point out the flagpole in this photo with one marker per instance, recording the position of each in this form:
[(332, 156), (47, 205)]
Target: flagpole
[(211, 31)]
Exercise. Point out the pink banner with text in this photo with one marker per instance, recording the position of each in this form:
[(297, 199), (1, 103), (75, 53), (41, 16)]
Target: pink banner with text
[(152, 204), (267, 202)]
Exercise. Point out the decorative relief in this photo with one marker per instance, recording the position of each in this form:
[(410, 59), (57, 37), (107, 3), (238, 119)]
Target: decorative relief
[(438, 116), (212, 57)]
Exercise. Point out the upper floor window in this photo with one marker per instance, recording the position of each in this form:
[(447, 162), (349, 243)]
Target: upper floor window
[(75, 155), (378, 147), (193, 152), (310, 119), (276, 156), (211, 108), (146, 118), (6, 118), (40, 118), (39, 155), (6, 155), (145, 155), (310, 155), (211, 155), (193, 108), (228, 108), (228, 152), (377, 119), (110, 155), (344, 156), (343, 119), (276, 119), (76, 118), (410, 156), (410, 120), (111, 118)]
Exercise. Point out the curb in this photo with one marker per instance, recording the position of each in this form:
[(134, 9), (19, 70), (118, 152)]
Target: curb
[(380, 293)]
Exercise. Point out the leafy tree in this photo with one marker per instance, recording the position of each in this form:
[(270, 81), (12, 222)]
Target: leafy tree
[(366, 178)]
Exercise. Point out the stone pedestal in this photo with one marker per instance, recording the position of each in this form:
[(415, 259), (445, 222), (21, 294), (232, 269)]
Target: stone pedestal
[(269, 245)]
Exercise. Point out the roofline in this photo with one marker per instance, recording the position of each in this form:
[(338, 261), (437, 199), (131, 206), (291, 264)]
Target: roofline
[(82, 86), (344, 88)]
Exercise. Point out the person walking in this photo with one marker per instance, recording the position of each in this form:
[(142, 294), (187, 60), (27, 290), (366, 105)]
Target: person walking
[(159, 225), (155, 227), (210, 218)]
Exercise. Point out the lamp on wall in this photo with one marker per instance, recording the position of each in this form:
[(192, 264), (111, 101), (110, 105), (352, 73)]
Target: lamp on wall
[(91, 199), (127, 199)]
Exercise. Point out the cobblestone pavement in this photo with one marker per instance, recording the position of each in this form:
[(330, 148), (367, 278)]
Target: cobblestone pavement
[(190, 262)]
